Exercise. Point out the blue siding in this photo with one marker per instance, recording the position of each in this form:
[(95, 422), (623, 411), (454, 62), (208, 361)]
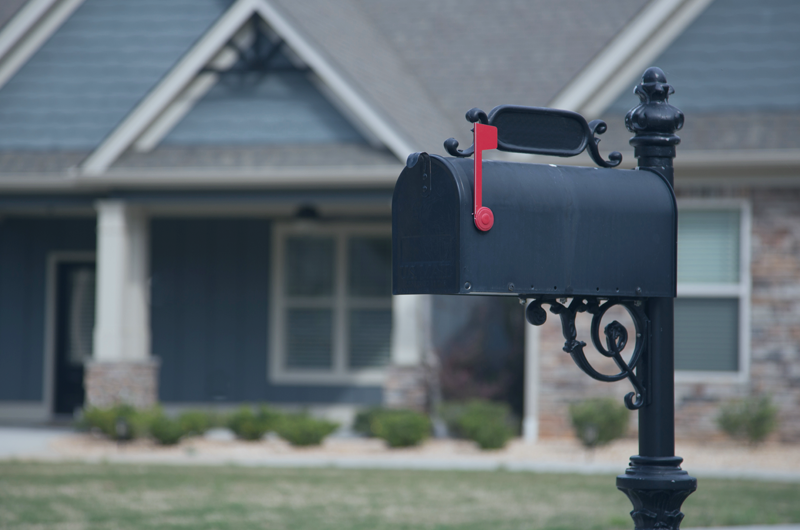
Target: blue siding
[(738, 54), (91, 73), (278, 108), (24, 246), (210, 315)]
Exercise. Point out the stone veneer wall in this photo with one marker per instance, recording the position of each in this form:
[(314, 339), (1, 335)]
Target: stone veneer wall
[(112, 383), (775, 334)]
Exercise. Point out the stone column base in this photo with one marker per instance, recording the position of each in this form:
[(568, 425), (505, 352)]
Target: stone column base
[(406, 387), (112, 383)]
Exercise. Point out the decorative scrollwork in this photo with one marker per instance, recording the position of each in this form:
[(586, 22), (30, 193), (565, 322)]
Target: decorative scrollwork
[(616, 338), (474, 115), (614, 158)]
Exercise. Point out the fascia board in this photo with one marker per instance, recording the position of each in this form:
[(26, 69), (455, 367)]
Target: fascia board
[(28, 30), (628, 54), (267, 178)]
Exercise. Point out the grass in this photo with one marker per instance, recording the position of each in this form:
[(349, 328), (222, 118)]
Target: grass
[(105, 496)]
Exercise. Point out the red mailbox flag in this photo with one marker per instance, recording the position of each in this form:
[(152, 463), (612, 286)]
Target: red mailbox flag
[(485, 137)]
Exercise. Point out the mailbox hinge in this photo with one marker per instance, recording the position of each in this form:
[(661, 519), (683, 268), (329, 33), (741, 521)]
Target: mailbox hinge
[(426, 176)]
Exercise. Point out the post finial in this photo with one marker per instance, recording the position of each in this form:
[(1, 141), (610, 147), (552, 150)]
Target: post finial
[(654, 121)]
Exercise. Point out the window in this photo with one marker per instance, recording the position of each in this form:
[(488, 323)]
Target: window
[(712, 308), (332, 316)]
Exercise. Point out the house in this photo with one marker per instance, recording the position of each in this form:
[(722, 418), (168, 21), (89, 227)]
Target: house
[(195, 195)]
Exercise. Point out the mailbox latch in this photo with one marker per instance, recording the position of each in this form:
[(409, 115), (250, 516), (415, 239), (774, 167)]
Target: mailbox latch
[(485, 138)]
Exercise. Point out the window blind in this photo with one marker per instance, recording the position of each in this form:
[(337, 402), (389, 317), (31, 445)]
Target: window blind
[(310, 342), (708, 246), (706, 334), (369, 337)]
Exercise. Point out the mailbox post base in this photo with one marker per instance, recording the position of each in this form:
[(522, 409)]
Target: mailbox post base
[(657, 487)]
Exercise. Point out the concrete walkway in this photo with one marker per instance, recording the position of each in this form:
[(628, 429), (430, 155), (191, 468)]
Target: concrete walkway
[(15, 442), (718, 460)]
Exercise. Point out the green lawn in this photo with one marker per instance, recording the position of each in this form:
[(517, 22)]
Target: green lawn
[(82, 496)]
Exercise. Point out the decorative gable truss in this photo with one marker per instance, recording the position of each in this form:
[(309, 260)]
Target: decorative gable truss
[(218, 51)]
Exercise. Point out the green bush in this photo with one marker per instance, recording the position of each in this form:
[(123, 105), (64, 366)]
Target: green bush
[(752, 418), (165, 430), (362, 424), (302, 429), (120, 422), (599, 421), (400, 428), (249, 425), (196, 422), (487, 423)]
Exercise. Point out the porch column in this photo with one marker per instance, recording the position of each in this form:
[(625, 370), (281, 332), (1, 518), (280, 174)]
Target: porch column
[(122, 369), (530, 421), (407, 382)]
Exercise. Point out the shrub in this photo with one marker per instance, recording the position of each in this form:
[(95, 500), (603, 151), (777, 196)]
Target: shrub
[(302, 429), (165, 430), (487, 423), (400, 428), (196, 421), (119, 422), (248, 425), (362, 424), (598, 421), (141, 420), (752, 418)]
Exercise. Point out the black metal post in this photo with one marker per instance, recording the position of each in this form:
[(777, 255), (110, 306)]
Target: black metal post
[(654, 482)]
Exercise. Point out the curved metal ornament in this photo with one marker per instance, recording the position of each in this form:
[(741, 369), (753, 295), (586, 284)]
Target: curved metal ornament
[(616, 338)]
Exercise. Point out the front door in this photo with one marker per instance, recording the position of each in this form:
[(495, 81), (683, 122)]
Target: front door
[(75, 288)]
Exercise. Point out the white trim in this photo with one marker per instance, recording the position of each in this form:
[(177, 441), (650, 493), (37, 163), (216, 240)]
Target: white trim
[(22, 21), (641, 41), (741, 290), (28, 30), (54, 259), (530, 421), (278, 373), (191, 178), (182, 75)]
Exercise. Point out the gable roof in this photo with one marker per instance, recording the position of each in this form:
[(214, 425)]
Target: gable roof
[(206, 51), (406, 73)]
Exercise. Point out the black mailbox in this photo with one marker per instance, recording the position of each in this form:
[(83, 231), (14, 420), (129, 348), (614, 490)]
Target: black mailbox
[(600, 237), (557, 230)]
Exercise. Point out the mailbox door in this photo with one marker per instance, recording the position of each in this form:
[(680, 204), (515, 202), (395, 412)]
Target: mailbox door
[(426, 229)]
